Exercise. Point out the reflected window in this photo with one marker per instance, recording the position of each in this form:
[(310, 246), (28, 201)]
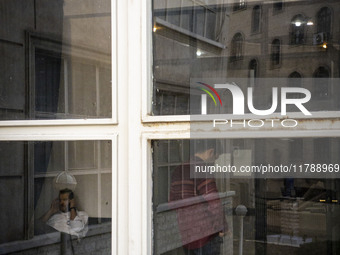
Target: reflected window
[(253, 71), (173, 12), (170, 103), (197, 18), (180, 56), (35, 166), (237, 47), (286, 209), (89, 162), (295, 75), (187, 14), (239, 5), (321, 85), (278, 5), (256, 19), (297, 30), (66, 87), (276, 53), (61, 69), (324, 19)]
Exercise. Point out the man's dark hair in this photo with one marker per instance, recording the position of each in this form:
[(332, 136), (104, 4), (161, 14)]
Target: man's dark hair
[(63, 191)]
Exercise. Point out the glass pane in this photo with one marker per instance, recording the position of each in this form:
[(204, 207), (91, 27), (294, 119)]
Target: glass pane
[(46, 198), (82, 155), (200, 204), (62, 70), (12, 190), (106, 197), (215, 42), (174, 11), (49, 157)]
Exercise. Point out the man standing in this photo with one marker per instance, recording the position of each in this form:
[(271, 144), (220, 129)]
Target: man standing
[(201, 220), (64, 216)]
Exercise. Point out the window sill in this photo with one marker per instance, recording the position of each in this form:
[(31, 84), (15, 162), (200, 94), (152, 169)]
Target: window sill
[(198, 117), (48, 239), (57, 122)]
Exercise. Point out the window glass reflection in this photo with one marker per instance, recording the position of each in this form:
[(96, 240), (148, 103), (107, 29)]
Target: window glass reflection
[(285, 214), (56, 187), (57, 60), (223, 40)]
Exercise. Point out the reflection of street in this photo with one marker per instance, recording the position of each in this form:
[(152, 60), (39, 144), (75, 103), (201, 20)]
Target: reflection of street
[(168, 232)]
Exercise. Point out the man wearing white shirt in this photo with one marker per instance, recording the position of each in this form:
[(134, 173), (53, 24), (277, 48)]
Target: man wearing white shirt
[(64, 216)]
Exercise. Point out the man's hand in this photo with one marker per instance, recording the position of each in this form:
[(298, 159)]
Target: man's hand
[(72, 203), (54, 208), (73, 209)]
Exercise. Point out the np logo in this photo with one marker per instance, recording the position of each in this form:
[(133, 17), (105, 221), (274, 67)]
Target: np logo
[(238, 99)]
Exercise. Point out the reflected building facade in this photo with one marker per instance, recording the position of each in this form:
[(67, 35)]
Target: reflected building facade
[(244, 40), (295, 43)]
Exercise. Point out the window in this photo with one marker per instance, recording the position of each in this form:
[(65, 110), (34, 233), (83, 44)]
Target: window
[(321, 84), (197, 18), (282, 202), (180, 57), (56, 61), (171, 103), (256, 19), (253, 71), (88, 161), (297, 30), (70, 81), (324, 19), (70, 87), (237, 47), (295, 75), (239, 5), (276, 53), (286, 213), (278, 5)]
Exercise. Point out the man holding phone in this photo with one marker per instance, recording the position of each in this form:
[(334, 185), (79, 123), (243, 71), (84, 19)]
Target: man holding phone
[(64, 216)]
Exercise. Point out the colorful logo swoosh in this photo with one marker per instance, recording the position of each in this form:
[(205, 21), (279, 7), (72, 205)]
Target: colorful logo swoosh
[(209, 93)]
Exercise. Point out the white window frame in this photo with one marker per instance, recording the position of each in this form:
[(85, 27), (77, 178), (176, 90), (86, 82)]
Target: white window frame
[(147, 81), (132, 128)]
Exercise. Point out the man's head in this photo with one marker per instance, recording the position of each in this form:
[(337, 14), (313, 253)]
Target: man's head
[(205, 149), (65, 195)]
